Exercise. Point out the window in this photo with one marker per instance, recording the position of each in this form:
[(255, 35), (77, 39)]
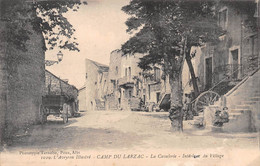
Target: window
[(253, 44), (114, 83), (157, 74), (157, 97), (130, 93), (116, 70), (129, 71), (222, 18), (125, 71)]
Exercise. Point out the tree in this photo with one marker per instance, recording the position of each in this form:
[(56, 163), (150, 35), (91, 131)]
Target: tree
[(46, 16), (165, 31)]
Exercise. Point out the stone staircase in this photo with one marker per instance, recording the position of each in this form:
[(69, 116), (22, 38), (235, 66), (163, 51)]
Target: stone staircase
[(243, 102)]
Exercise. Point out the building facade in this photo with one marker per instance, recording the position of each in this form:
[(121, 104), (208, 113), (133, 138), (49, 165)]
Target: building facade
[(130, 88), (231, 66), (82, 99), (113, 96), (96, 86), (237, 54)]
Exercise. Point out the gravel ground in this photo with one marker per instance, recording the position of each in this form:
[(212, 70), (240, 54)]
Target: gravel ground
[(120, 131)]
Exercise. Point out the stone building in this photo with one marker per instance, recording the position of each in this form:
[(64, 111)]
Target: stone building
[(113, 96), (156, 89), (21, 79), (56, 86), (82, 99), (129, 88), (96, 86), (231, 67), (237, 53), (129, 82)]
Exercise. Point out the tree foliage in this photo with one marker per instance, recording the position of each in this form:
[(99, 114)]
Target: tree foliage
[(162, 26), (165, 31), (46, 16)]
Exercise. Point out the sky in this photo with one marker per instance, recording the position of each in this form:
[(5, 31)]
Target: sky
[(100, 29)]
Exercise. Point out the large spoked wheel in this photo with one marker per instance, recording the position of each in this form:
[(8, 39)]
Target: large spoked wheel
[(205, 99)]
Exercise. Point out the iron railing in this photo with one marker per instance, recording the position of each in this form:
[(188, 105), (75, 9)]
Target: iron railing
[(232, 73)]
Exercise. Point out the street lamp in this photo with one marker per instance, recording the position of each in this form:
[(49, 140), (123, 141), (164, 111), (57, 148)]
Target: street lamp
[(50, 62)]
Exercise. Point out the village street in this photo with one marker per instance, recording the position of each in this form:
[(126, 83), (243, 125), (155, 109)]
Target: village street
[(101, 130), (102, 134)]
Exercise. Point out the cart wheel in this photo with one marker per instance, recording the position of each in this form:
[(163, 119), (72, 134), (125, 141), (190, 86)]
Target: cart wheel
[(205, 99)]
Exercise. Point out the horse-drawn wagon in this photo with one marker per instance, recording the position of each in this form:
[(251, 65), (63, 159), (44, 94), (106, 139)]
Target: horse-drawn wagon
[(60, 98), (54, 105)]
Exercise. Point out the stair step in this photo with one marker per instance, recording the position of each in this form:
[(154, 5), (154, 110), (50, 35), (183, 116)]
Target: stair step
[(255, 99), (195, 122), (232, 118), (242, 107), (250, 102), (237, 110), (234, 114)]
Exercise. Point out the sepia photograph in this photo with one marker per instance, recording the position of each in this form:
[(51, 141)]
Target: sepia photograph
[(130, 82)]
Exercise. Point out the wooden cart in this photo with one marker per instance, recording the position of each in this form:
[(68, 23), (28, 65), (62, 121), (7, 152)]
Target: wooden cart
[(54, 105)]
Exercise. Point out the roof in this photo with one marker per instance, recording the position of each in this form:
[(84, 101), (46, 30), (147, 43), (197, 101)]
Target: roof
[(117, 50), (61, 79), (101, 67), (82, 88)]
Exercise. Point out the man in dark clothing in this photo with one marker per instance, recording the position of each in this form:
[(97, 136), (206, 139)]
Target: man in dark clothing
[(221, 117)]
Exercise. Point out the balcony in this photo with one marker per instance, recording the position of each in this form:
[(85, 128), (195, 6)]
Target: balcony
[(235, 72), (126, 82), (225, 77)]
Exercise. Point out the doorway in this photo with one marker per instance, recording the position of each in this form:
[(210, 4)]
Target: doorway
[(234, 65), (208, 73), (157, 97)]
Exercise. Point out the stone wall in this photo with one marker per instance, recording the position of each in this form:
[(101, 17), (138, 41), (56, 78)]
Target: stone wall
[(82, 99), (96, 83), (3, 84), (22, 80), (56, 86), (22, 84), (115, 65), (114, 73), (238, 36)]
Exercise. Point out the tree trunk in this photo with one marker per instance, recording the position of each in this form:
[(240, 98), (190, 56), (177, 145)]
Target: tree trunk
[(176, 112), (192, 73)]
